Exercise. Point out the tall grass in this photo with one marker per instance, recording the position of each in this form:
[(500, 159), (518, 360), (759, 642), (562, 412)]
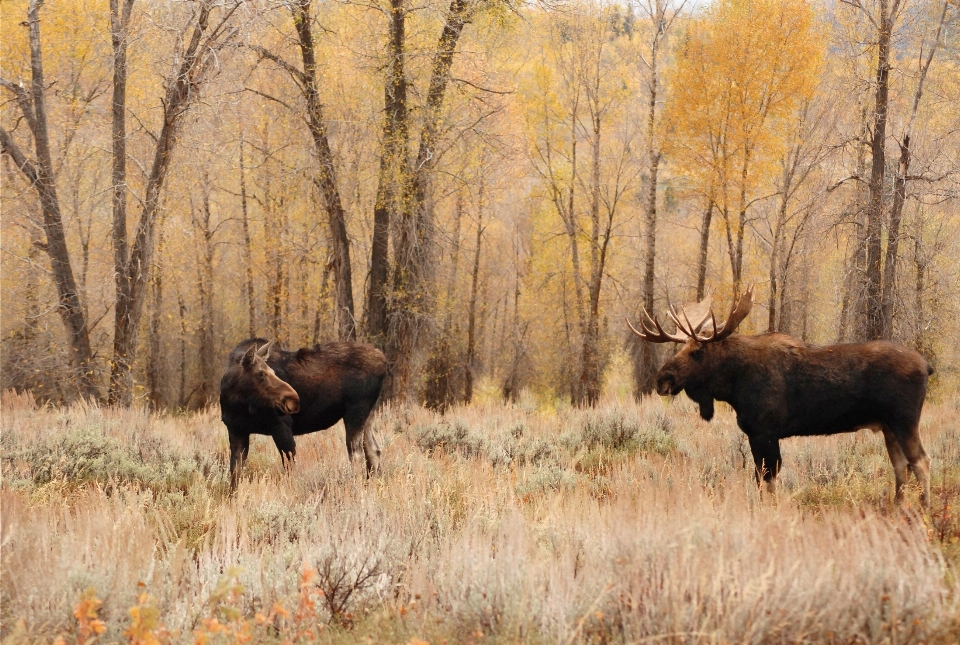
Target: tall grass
[(490, 523)]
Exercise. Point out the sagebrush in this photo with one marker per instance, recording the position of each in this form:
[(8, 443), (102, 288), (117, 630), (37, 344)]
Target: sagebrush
[(495, 523)]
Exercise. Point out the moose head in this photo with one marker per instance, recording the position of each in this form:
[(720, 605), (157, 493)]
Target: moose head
[(700, 367), (260, 384)]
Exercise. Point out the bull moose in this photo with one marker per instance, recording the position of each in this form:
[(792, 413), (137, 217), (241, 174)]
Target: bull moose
[(269, 391), (782, 387)]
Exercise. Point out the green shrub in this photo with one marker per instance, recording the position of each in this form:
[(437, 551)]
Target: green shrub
[(622, 431), (86, 455), (545, 479)]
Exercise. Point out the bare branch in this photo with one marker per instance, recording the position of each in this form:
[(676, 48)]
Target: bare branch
[(9, 146), (481, 88), (24, 101), (270, 98), (841, 182), (266, 54)]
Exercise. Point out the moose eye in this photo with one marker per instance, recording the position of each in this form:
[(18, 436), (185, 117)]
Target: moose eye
[(697, 354), (261, 376)]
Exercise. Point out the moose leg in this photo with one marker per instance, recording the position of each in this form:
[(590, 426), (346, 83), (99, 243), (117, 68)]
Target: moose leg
[(286, 444), (918, 460), (354, 438), (766, 457), (239, 447), (899, 461), (371, 449), (360, 435)]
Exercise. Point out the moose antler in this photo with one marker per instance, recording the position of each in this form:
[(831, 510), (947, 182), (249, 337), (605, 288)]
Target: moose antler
[(737, 313), (656, 333), (699, 314)]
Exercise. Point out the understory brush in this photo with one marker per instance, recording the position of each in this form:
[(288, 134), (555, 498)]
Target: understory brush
[(490, 523)]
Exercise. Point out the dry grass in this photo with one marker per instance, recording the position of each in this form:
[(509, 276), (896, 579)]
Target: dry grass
[(489, 524)]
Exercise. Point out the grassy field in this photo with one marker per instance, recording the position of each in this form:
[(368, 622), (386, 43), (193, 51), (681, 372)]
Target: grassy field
[(626, 523)]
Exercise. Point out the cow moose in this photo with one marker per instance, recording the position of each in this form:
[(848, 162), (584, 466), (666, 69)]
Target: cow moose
[(269, 391), (782, 387)]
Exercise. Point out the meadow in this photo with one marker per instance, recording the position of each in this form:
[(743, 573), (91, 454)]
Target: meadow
[(493, 523)]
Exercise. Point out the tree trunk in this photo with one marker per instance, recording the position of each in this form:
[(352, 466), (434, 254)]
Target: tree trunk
[(786, 254), (774, 259), (853, 307), (736, 256), (471, 358), (441, 388), (304, 271), (645, 363), (41, 176), (454, 262), (888, 292), (182, 388), (31, 291), (776, 243), (155, 359), (704, 249), (393, 177), (566, 209), (182, 92), (273, 225), (645, 366), (326, 178), (324, 294), (207, 341), (900, 193), (920, 264), (805, 154), (805, 296), (853, 311), (874, 310), (247, 251), (590, 371), (121, 374), (412, 245), (511, 385), (84, 257)]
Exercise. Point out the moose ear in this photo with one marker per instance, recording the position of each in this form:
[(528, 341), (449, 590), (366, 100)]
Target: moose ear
[(264, 350), (248, 356)]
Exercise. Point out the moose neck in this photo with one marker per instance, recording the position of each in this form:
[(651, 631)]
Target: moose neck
[(730, 365)]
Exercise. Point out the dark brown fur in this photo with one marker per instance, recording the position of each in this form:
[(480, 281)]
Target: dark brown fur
[(340, 380), (782, 387)]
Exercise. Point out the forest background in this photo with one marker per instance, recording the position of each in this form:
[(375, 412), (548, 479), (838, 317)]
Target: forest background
[(484, 189)]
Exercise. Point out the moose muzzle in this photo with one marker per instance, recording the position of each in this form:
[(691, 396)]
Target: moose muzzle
[(666, 386), (290, 404)]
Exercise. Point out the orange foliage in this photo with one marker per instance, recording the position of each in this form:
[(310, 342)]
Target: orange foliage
[(145, 626), (88, 624), (226, 623)]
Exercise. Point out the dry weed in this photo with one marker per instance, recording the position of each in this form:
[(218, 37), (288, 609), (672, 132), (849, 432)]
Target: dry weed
[(503, 524)]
